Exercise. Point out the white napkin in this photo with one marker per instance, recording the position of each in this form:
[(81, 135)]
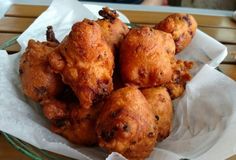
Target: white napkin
[(204, 123)]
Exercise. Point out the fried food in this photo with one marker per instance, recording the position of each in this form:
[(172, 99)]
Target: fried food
[(85, 62), (55, 110), (113, 29), (181, 75), (71, 121), (161, 104), (37, 78), (50, 35), (181, 26), (145, 57), (127, 125), (74, 81)]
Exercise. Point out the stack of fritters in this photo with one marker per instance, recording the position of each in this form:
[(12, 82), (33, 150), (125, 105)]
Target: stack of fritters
[(109, 85)]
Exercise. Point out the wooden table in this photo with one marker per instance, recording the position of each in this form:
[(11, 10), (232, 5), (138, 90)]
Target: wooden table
[(7, 152), (19, 17)]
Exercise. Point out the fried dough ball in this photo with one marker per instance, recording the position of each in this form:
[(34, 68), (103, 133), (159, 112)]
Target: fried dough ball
[(37, 78), (181, 74), (181, 26), (127, 125), (145, 57), (85, 62), (161, 104), (73, 122), (113, 29)]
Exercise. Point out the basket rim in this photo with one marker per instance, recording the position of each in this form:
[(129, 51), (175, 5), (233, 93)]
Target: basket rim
[(11, 141)]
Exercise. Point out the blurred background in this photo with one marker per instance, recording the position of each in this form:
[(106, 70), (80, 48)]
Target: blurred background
[(208, 4)]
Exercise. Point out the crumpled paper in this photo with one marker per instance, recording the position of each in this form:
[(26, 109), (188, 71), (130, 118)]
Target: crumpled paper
[(205, 116)]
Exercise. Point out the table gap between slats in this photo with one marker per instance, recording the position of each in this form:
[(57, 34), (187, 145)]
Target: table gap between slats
[(14, 24), (29, 11)]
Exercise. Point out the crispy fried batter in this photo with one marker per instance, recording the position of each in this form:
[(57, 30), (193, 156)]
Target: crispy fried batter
[(71, 121), (145, 57), (127, 125), (181, 26), (37, 79), (181, 74), (50, 35), (162, 108), (113, 29), (108, 14), (54, 109), (85, 62)]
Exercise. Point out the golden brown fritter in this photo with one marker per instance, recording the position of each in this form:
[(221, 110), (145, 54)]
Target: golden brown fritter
[(145, 57), (127, 125), (181, 26), (85, 62), (37, 78), (113, 29), (71, 121), (181, 74), (162, 108)]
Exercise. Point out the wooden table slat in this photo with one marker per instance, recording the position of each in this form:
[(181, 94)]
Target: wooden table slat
[(155, 17), (134, 16), (7, 152), (231, 57), (18, 25), (5, 37), (221, 34), (224, 35), (17, 10), (229, 70), (14, 24)]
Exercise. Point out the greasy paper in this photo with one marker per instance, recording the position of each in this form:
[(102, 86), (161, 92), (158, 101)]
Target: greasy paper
[(205, 116)]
